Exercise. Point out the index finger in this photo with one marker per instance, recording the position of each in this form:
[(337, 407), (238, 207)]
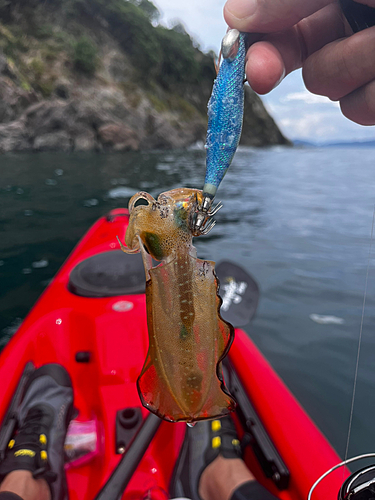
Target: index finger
[(266, 16), (282, 52)]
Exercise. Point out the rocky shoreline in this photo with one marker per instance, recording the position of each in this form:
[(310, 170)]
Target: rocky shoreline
[(72, 125), (73, 86), (86, 118), (75, 124)]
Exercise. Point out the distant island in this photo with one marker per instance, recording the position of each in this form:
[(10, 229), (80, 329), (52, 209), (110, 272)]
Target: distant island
[(80, 75), (340, 144)]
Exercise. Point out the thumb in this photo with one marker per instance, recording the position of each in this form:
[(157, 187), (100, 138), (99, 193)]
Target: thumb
[(265, 16)]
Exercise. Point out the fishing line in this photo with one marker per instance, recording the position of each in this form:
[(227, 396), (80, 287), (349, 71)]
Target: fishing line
[(359, 341), (367, 455)]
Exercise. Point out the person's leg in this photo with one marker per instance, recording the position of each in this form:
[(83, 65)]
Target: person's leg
[(34, 461), (22, 483), (230, 479), (222, 477), (210, 466)]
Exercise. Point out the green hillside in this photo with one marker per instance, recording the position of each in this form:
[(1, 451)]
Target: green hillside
[(135, 76)]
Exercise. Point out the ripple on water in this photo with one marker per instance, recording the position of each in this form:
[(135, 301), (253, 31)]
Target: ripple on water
[(40, 264), (91, 203), (51, 182), (163, 167), (120, 181), (7, 333), (326, 320), (121, 192)]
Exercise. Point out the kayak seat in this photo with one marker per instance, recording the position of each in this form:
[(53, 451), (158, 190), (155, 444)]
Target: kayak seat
[(108, 274)]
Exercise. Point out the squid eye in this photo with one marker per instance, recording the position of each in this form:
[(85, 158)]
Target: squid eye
[(142, 195), (141, 202), (152, 243)]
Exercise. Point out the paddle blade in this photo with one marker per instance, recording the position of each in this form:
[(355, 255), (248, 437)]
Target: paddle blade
[(240, 294)]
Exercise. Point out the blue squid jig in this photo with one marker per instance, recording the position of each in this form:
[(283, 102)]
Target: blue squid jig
[(225, 116)]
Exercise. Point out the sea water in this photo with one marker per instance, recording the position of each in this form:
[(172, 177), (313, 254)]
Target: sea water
[(299, 220)]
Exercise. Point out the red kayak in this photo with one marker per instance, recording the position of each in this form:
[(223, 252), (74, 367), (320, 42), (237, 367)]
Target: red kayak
[(92, 320)]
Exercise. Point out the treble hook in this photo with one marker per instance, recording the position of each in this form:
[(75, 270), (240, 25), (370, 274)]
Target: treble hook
[(203, 224)]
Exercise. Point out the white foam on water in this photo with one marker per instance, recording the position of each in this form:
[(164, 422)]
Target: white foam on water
[(326, 320), (198, 146), (51, 182), (59, 171), (20, 191), (121, 192), (91, 203), (26, 270), (121, 180), (146, 185), (163, 167), (40, 263), (28, 213)]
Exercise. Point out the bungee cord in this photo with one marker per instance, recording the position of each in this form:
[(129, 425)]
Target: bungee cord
[(341, 464)]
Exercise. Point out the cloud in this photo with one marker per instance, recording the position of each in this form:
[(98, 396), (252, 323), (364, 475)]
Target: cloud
[(317, 126), (302, 115), (308, 98), (204, 20)]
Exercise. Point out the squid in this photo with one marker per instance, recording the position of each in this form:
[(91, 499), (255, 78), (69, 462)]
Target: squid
[(181, 379)]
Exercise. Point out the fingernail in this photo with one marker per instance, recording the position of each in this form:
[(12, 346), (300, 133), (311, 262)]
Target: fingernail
[(280, 79), (241, 8)]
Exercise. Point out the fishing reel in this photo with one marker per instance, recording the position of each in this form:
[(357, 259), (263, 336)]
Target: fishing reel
[(359, 486)]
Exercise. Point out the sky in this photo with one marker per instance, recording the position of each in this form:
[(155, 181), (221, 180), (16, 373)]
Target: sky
[(298, 113)]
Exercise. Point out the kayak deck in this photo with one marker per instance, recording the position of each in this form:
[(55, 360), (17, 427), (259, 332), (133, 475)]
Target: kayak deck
[(103, 342)]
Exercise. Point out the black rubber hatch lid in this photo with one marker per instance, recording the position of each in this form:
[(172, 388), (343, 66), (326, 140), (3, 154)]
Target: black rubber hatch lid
[(108, 274)]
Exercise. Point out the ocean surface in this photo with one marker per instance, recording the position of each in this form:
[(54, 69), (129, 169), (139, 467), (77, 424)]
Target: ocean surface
[(298, 219)]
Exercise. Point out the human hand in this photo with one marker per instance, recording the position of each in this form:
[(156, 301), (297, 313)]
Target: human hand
[(314, 35)]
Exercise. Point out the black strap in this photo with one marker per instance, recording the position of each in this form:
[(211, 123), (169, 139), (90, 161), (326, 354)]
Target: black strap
[(251, 491), (7, 495)]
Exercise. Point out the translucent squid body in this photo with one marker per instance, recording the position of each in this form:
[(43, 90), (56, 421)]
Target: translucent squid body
[(181, 379)]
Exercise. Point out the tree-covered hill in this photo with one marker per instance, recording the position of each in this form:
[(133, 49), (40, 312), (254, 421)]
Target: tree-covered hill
[(102, 74)]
